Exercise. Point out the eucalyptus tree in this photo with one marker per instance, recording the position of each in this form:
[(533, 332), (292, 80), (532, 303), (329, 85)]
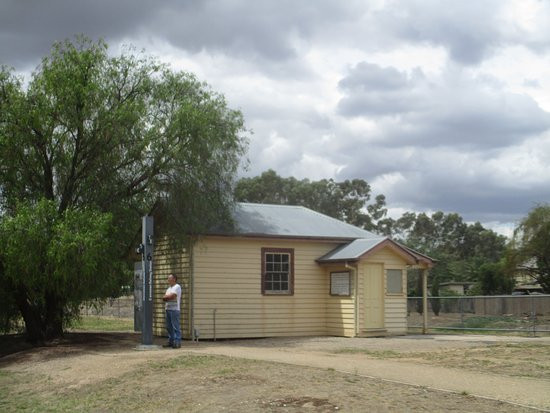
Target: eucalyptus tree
[(346, 200)]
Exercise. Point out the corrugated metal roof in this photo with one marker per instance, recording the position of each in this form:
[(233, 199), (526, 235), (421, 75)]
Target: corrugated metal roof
[(286, 221), (353, 250), (291, 221)]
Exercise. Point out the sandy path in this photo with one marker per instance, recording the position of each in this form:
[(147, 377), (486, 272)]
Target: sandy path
[(523, 391)]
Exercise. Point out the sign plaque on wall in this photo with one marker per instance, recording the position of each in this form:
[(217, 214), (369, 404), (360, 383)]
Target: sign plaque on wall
[(340, 283)]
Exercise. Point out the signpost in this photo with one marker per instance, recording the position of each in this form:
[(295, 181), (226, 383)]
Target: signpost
[(146, 251)]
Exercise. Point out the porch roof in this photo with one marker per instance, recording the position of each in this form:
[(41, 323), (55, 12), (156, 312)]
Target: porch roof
[(361, 248)]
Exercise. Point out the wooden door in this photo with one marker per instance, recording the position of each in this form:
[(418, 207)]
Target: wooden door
[(373, 293)]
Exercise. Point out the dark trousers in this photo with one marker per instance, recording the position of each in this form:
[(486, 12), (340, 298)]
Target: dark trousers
[(173, 326)]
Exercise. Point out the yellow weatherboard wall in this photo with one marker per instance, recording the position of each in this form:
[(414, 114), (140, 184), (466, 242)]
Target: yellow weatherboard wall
[(228, 300)]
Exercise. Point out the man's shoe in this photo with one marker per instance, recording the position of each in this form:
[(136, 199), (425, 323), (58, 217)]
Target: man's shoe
[(176, 345), (167, 345)]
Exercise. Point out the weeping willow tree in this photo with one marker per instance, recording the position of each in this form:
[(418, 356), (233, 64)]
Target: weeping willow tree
[(87, 146)]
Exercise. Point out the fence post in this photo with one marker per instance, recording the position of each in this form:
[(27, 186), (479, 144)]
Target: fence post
[(461, 307), (425, 301), (534, 315)]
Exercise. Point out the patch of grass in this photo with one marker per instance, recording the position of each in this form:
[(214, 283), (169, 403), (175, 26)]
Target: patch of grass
[(13, 398), (226, 371), (381, 354), (97, 323), (490, 322), (185, 362)]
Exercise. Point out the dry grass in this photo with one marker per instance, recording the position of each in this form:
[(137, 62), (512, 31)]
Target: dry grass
[(514, 359)]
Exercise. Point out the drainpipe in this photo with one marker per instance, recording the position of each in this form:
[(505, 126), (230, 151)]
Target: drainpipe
[(191, 247), (214, 320), (356, 296)]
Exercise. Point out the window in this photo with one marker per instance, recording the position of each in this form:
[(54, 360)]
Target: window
[(340, 283), (277, 271), (394, 282)]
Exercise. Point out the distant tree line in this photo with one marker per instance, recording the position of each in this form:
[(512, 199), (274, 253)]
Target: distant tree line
[(464, 252)]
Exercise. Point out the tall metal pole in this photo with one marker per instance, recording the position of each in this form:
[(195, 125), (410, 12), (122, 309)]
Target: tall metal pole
[(147, 298)]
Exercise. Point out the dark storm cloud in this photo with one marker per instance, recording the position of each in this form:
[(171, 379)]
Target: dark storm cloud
[(374, 90), (266, 29), (452, 181), (29, 28), (454, 110), (367, 76), (475, 198), (470, 30)]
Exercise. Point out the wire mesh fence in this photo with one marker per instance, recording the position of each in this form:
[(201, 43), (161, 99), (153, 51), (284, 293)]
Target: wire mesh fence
[(113, 307), (528, 314)]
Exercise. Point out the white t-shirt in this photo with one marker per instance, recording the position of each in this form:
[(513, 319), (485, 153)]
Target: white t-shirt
[(174, 304)]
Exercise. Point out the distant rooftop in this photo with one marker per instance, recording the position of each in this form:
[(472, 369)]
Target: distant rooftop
[(291, 221)]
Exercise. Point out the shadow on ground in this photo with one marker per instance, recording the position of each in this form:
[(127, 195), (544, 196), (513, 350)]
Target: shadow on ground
[(14, 348)]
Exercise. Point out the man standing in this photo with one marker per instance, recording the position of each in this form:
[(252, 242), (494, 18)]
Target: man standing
[(172, 298)]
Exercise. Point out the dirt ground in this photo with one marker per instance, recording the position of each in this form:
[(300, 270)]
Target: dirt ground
[(104, 372)]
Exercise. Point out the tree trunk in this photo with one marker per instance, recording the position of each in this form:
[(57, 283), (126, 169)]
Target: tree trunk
[(31, 317), (54, 316), (42, 323)]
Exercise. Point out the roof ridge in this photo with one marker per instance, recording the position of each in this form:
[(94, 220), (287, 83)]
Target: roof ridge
[(263, 204)]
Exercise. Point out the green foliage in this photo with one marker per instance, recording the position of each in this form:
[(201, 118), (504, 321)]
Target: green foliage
[(96, 323), (459, 248), (529, 251), (53, 262), (494, 280), (88, 147), (345, 200)]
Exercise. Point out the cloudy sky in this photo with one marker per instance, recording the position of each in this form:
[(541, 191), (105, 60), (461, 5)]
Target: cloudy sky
[(439, 105)]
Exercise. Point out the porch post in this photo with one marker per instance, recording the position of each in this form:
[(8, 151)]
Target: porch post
[(425, 301)]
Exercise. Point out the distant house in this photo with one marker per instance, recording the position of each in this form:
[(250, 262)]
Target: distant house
[(287, 271), (457, 287), (525, 283)]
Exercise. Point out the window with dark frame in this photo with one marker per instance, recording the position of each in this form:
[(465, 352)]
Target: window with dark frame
[(277, 271)]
